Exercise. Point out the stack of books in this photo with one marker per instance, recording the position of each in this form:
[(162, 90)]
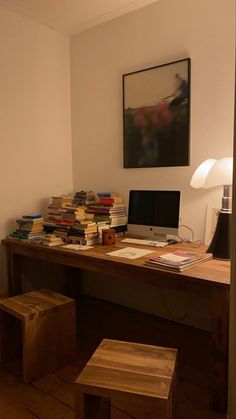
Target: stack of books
[(67, 216), (78, 219), (82, 215), (29, 227), (84, 198), (109, 208), (48, 240), (179, 260), (61, 215), (61, 201), (84, 232)]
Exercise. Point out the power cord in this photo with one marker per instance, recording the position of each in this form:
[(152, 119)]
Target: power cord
[(191, 231), (190, 240), (169, 311), (123, 412)]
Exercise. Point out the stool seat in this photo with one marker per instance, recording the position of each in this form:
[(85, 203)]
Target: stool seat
[(140, 374), (35, 303), (47, 331)]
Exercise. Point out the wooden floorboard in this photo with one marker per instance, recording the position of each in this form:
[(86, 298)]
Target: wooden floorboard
[(52, 397)]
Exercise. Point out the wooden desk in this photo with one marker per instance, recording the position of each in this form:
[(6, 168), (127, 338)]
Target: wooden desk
[(210, 279)]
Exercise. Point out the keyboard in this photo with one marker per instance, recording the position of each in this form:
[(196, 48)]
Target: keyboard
[(145, 242)]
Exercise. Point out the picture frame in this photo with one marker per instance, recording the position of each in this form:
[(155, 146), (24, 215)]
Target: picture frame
[(156, 116)]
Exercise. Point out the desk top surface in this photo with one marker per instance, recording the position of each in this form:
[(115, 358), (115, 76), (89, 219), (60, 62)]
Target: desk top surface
[(212, 272)]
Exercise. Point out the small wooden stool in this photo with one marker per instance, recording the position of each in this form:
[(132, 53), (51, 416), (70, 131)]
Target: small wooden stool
[(130, 374), (45, 334)]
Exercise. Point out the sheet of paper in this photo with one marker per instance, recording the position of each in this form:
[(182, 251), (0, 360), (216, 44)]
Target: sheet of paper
[(130, 253), (77, 247)]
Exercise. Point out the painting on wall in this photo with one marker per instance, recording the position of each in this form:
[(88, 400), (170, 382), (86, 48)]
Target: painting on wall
[(156, 116)]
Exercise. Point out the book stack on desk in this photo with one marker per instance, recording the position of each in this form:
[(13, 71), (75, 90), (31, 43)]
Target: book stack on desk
[(48, 240), (84, 233), (61, 216), (82, 215), (29, 227), (178, 260), (65, 217), (84, 198), (109, 207)]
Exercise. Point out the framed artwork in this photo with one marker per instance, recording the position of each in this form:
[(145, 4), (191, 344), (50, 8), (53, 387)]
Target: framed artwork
[(156, 116)]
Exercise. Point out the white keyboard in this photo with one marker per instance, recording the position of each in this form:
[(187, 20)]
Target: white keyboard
[(145, 242)]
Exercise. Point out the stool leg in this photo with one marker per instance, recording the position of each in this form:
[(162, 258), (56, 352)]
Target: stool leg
[(173, 395), (29, 355), (88, 406)]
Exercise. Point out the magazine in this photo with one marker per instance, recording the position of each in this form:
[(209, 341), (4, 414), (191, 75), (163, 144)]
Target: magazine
[(178, 260)]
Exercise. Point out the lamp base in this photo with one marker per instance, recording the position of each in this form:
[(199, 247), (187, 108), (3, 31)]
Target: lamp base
[(220, 244)]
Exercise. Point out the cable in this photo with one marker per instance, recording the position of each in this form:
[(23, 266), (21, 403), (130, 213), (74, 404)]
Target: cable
[(190, 229), (123, 412), (173, 315), (147, 415), (189, 241)]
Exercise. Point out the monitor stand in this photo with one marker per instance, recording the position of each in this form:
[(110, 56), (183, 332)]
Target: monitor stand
[(159, 237), (146, 233)]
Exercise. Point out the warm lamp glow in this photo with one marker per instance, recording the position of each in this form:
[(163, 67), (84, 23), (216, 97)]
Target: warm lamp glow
[(200, 174), (220, 174), (212, 173)]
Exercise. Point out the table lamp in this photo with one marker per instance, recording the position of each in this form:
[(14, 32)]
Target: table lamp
[(209, 174)]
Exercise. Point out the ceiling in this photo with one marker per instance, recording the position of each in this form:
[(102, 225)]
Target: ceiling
[(72, 16)]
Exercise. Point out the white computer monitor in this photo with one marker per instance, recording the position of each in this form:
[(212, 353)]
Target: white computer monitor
[(153, 214)]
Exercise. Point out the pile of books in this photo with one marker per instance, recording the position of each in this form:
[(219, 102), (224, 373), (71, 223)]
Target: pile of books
[(82, 214), (29, 227), (84, 233), (179, 260), (109, 208), (48, 240), (84, 198), (61, 216), (78, 219), (68, 219)]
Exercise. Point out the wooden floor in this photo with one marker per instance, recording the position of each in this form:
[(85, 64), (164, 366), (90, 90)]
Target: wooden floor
[(52, 397)]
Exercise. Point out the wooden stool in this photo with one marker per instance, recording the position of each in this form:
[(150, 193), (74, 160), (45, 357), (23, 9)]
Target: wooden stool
[(45, 334), (130, 374)]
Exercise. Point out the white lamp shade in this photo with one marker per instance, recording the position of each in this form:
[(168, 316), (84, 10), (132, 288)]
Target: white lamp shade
[(221, 173), (212, 173), (201, 173)]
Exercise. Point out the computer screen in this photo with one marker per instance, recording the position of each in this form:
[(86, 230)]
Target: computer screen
[(153, 214)]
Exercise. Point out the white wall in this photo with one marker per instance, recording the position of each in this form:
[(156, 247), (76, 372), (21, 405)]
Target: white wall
[(35, 157), (165, 31)]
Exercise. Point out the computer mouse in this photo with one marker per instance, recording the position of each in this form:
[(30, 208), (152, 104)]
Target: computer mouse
[(171, 241)]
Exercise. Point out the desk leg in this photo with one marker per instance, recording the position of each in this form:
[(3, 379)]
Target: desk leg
[(220, 338), (14, 273)]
